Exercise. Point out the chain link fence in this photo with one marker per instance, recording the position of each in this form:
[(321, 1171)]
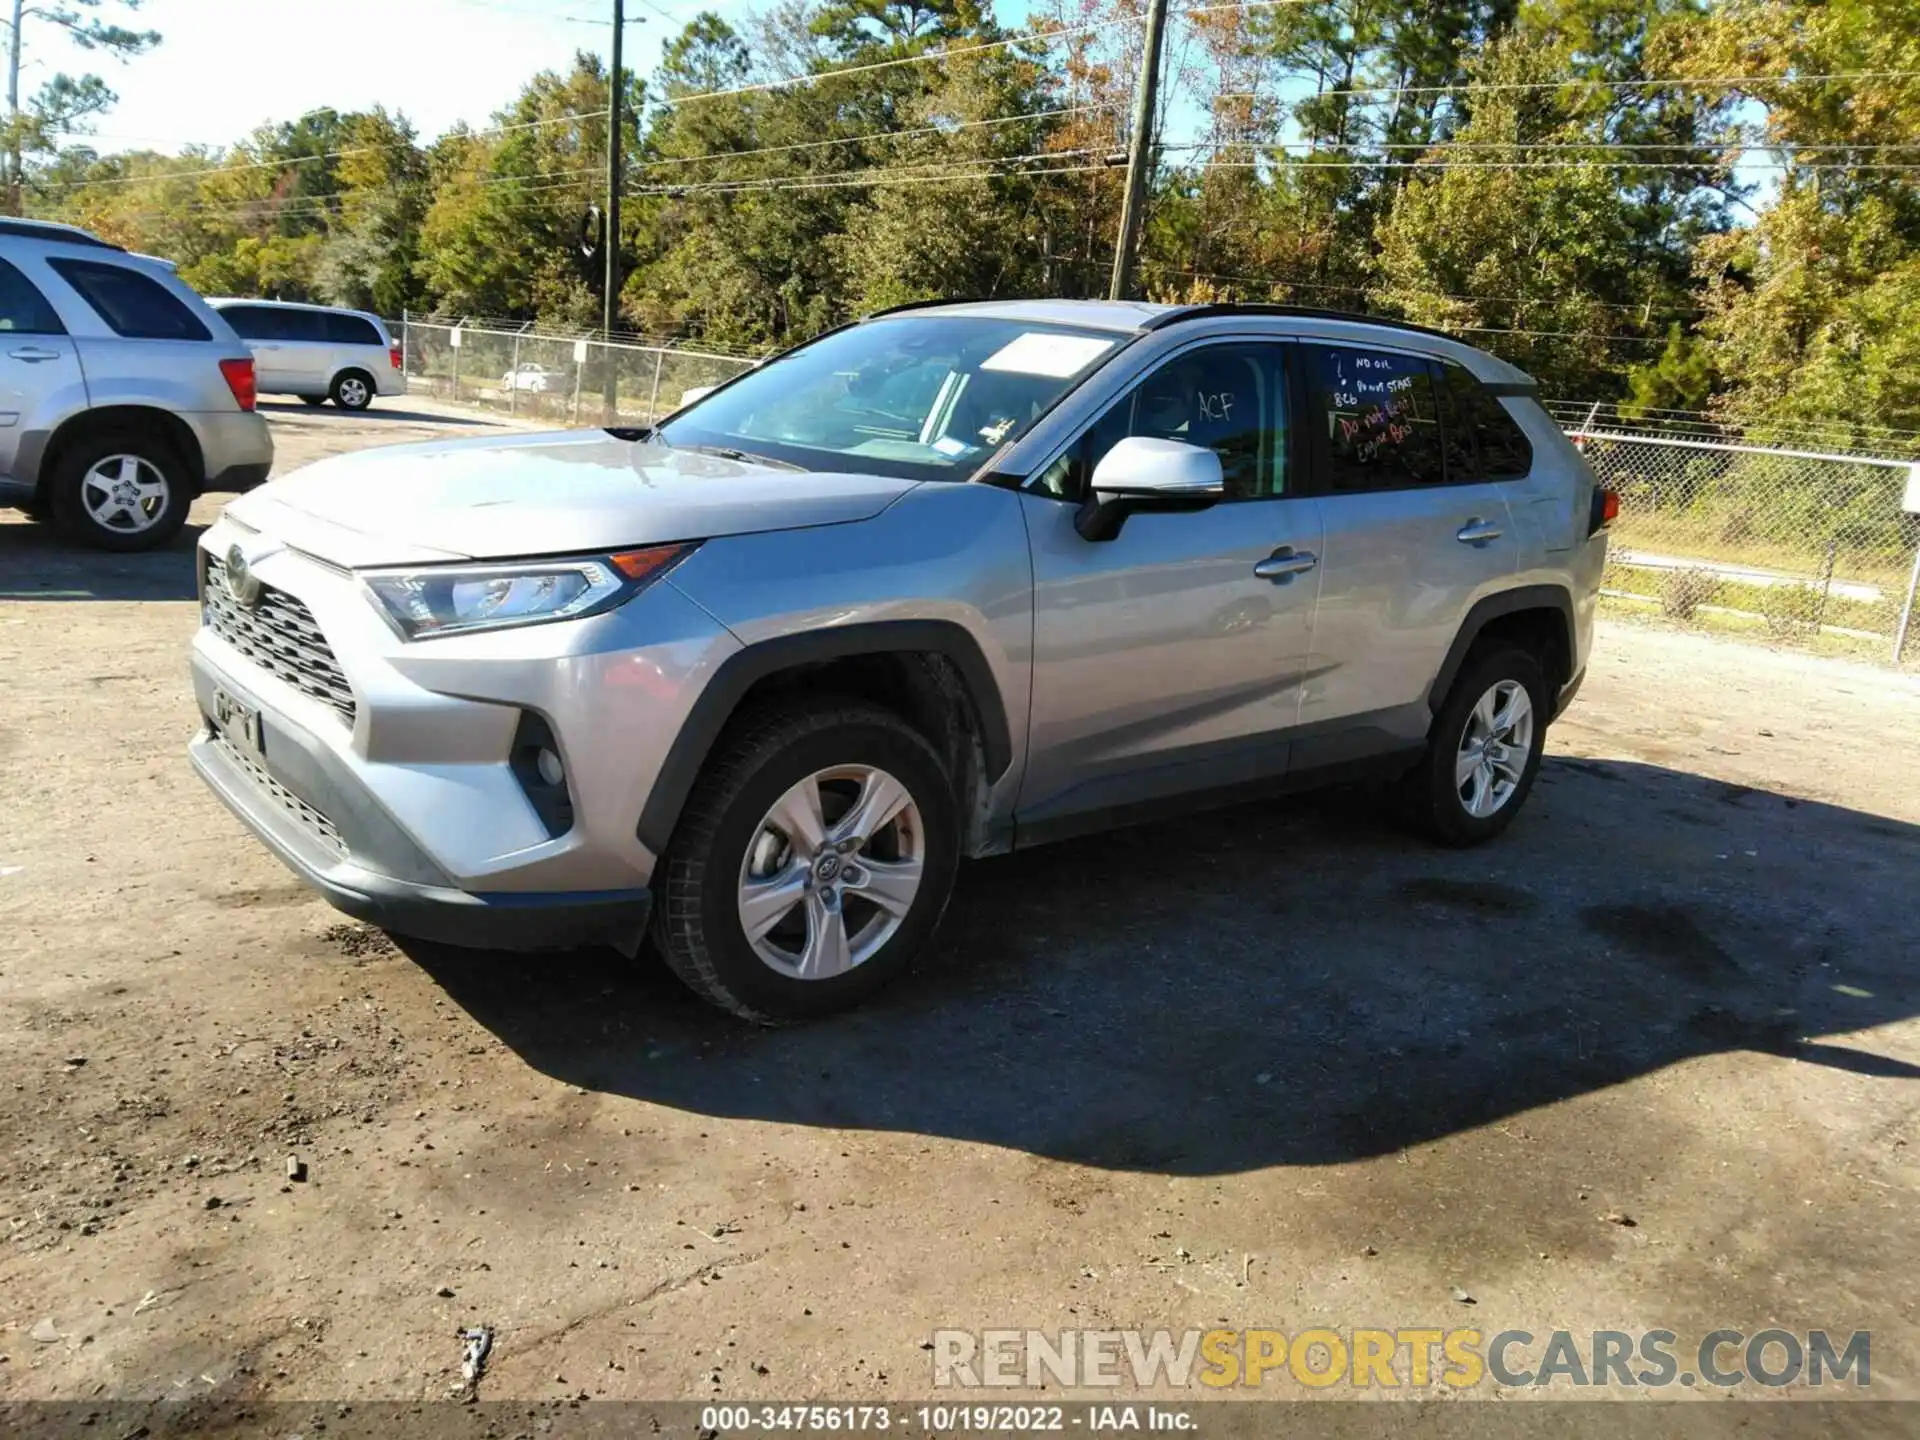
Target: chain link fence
[(1785, 544), (568, 380)]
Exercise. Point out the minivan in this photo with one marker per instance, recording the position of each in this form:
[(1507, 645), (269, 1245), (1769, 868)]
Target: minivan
[(317, 352)]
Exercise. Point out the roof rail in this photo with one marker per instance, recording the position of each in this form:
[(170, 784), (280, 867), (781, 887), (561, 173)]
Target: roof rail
[(55, 231), (1304, 312)]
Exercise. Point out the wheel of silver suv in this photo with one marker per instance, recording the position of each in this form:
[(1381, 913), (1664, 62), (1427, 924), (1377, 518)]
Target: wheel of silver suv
[(811, 864), (1484, 749), (120, 492)]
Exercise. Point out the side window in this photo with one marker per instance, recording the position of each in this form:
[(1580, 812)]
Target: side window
[(1377, 422), (252, 322), (1230, 399), (1505, 451), (309, 325), (134, 305), (350, 330), (23, 309)]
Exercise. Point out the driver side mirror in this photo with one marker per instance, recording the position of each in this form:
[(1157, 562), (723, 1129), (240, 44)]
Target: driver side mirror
[(1142, 473)]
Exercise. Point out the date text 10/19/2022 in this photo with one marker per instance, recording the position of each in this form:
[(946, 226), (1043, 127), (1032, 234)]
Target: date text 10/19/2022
[(944, 1419)]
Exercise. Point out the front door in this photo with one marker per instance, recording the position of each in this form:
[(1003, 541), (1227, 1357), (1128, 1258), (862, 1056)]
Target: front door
[(1163, 664), (1413, 536)]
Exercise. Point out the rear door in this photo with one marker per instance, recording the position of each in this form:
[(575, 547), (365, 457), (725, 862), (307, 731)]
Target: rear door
[(265, 334), (1414, 534), (309, 351), (40, 377)]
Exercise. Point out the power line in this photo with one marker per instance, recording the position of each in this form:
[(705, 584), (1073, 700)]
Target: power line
[(1671, 81), (1289, 163), (876, 175), (925, 57), (875, 135), (294, 160), (1277, 281)]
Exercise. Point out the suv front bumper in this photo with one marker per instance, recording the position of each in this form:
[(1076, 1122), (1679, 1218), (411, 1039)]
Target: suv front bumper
[(333, 835)]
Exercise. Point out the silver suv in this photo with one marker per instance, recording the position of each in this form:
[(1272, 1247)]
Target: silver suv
[(317, 352), (947, 582), (122, 396)]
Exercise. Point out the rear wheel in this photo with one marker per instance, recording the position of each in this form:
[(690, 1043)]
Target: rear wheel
[(353, 390), (121, 492), (811, 865), (1485, 749)]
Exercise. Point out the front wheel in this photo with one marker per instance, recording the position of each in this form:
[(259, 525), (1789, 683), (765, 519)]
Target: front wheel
[(811, 865), (353, 391), (1485, 749), (121, 492)]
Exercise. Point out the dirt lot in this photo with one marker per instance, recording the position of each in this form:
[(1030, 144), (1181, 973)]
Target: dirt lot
[(1274, 1067)]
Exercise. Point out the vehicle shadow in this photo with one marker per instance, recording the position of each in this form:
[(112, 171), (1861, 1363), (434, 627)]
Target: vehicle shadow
[(382, 411), (1294, 984), (36, 563)]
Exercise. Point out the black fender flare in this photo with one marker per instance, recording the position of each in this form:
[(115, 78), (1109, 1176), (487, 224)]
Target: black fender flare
[(744, 669), (1556, 598)]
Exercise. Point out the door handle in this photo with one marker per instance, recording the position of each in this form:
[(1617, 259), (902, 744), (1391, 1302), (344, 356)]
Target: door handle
[(33, 354), (1477, 532), (1285, 563)]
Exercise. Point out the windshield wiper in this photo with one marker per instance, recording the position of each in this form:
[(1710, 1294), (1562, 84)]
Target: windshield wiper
[(727, 452)]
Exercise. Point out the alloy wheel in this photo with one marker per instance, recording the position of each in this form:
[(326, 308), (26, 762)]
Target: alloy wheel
[(1494, 748), (831, 871)]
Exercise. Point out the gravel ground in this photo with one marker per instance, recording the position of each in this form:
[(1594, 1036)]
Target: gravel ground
[(1274, 1067)]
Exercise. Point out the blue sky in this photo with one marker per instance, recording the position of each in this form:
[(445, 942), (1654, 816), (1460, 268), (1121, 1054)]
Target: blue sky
[(225, 66)]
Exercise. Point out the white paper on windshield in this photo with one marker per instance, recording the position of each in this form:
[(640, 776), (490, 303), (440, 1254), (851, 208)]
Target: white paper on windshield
[(1038, 353)]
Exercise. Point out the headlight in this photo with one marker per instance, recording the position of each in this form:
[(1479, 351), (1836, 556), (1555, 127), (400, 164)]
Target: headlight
[(458, 599)]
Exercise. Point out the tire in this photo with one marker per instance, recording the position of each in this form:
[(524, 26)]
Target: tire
[(1444, 799), (314, 400), (103, 491), (353, 390), (727, 837)]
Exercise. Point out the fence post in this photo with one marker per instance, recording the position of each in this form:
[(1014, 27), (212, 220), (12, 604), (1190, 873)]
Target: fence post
[(513, 385), (653, 400), (456, 363), (1826, 585), (406, 345), (1906, 610)]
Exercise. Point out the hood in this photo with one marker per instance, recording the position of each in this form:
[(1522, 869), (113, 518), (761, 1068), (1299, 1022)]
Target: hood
[(567, 493)]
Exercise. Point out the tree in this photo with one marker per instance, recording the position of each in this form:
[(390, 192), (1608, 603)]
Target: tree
[(65, 102), (1814, 311)]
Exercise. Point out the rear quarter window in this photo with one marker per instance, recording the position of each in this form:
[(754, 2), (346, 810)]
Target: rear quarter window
[(1505, 451), (351, 330), (134, 305)]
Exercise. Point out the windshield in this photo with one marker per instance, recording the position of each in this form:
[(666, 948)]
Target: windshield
[(921, 397)]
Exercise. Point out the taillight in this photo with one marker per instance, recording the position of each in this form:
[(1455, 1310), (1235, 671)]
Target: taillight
[(239, 375), (393, 354), (1606, 509)]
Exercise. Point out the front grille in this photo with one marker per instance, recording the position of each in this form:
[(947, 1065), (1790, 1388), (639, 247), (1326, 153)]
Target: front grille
[(280, 636), (311, 820)]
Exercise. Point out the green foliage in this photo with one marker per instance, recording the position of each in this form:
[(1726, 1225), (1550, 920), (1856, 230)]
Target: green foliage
[(1683, 378)]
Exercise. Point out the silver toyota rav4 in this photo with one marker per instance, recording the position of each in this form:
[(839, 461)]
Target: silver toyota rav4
[(951, 581)]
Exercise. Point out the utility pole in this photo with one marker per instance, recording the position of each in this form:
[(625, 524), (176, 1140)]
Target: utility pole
[(13, 109), (1140, 154), (611, 306)]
